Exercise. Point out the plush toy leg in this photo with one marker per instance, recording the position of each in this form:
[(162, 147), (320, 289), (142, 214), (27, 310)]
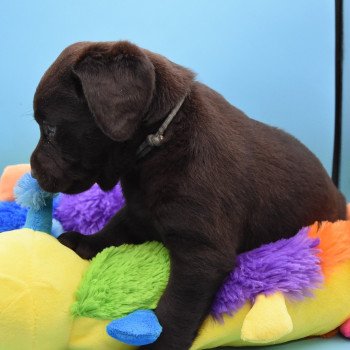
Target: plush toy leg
[(345, 329), (138, 328), (268, 320)]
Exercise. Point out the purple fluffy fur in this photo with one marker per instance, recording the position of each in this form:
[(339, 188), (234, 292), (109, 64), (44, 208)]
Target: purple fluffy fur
[(89, 211), (289, 265)]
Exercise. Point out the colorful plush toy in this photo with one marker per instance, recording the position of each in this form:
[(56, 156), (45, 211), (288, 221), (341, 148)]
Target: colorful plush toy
[(12, 215), (9, 178), (89, 211), (52, 299)]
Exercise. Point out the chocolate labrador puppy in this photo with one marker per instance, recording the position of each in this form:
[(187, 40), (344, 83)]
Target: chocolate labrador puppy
[(197, 173)]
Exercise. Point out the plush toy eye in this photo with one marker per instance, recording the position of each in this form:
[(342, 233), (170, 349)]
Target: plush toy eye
[(49, 131)]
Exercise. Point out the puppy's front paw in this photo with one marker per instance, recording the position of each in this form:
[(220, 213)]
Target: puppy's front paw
[(81, 244)]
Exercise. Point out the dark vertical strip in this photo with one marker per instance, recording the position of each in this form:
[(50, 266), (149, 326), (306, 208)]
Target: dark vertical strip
[(338, 89)]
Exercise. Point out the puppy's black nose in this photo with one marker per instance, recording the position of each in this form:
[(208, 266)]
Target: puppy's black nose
[(33, 173)]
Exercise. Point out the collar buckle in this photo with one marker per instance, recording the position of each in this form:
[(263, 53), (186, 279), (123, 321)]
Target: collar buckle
[(157, 139)]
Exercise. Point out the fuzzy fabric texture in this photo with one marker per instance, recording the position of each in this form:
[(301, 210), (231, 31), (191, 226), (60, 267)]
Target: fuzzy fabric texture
[(334, 247), (290, 266), (8, 179), (30, 196), (28, 193), (12, 216), (123, 279), (89, 211)]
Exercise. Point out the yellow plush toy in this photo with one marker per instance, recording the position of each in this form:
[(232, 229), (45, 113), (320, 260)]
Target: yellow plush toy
[(52, 299)]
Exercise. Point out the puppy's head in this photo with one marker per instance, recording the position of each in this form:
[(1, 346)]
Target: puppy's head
[(92, 98), (90, 104)]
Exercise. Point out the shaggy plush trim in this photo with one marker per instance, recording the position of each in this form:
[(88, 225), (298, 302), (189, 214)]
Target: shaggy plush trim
[(290, 266), (28, 193), (334, 243), (12, 216), (89, 211), (123, 279)]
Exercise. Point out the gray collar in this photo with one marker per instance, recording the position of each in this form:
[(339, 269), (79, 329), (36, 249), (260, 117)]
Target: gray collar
[(157, 139)]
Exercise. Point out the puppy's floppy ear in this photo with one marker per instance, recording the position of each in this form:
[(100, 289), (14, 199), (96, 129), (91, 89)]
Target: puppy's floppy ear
[(118, 82)]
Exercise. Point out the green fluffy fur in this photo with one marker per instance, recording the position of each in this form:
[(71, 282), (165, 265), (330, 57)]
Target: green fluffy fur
[(123, 279)]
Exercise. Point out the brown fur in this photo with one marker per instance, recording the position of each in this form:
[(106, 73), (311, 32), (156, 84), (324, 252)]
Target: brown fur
[(222, 183)]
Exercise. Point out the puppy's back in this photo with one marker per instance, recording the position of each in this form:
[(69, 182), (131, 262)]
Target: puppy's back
[(270, 178)]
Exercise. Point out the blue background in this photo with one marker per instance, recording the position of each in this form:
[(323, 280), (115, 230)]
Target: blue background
[(273, 59)]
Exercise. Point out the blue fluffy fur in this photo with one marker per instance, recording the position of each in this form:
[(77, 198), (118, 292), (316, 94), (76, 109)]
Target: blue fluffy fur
[(12, 216), (29, 194)]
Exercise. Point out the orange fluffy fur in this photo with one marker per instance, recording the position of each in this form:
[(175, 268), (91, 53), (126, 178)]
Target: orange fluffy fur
[(334, 243)]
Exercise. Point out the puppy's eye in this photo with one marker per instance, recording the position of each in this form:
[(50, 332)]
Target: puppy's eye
[(49, 131)]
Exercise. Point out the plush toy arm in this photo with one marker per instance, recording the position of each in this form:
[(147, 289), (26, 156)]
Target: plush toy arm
[(268, 320), (138, 328)]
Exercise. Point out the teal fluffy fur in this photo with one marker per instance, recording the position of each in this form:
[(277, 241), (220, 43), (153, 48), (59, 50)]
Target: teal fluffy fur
[(29, 194), (123, 279)]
